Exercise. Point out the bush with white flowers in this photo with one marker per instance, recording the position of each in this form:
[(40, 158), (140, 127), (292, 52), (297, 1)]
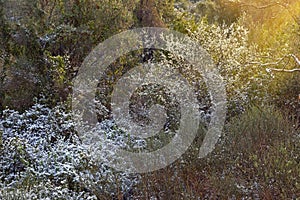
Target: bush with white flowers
[(42, 158), (238, 61)]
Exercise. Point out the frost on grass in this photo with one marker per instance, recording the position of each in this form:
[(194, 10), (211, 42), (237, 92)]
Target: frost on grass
[(43, 158)]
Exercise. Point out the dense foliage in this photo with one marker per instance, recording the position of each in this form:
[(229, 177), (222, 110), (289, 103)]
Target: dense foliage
[(253, 45), (42, 158)]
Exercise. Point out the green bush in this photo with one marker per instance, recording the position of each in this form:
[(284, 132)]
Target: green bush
[(260, 155), (257, 157), (257, 128)]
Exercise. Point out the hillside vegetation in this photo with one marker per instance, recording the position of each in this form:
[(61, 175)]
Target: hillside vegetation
[(255, 45)]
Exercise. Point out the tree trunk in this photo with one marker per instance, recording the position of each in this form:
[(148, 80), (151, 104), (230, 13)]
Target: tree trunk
[(148, 15)]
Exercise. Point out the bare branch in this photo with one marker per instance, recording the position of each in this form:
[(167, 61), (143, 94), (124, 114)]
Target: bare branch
[(263, 6), (283, 70), (271, 63), (287, 70), (296, 59), (283, 5)]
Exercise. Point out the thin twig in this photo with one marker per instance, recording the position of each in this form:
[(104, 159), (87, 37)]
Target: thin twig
[(271, 63), (283, 70), (287, 70), (285, 6), (296, 59), (263, 6), (51, 11)]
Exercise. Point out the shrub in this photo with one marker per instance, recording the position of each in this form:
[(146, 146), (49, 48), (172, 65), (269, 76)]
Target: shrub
[(260, 155), (229, 47), (42, 157)]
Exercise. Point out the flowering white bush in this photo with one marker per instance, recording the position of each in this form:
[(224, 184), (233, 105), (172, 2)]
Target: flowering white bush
[(42, 158), (238, 61)]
